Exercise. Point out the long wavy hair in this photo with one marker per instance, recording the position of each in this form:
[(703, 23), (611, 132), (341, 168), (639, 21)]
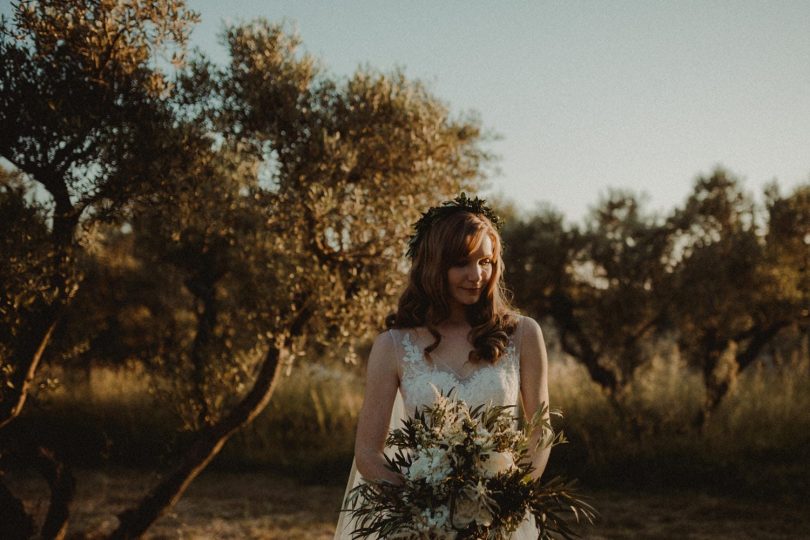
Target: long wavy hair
[(426, 300)]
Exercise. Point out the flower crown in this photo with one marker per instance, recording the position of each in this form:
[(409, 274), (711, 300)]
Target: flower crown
[(462, 203)]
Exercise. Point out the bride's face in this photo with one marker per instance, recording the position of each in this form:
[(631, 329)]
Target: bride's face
[(467, 279)]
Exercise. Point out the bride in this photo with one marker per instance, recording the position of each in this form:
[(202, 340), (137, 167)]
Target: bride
[(453, 329)]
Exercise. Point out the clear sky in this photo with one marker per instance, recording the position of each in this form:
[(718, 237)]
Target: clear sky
[(644, 94)]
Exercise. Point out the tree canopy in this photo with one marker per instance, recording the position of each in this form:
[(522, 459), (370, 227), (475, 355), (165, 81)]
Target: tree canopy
[(720, 275), (236, 215)]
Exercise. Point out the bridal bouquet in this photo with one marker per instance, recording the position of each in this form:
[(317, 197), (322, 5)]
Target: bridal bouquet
[(467, 476)]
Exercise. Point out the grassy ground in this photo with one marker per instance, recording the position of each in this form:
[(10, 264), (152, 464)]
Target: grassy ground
[(221, 505), (756, 447)]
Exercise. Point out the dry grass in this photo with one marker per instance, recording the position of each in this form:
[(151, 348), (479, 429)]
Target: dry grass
[(756, 444), (758, 440), (263, 506)]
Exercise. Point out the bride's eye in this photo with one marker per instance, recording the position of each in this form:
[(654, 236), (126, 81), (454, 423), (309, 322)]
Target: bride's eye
[(485, 262)]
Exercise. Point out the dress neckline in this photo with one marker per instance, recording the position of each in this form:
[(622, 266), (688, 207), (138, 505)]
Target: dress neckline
[(459, 376), (416, 353)]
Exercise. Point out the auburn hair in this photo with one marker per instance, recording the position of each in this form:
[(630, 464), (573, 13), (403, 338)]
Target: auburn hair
[(426, 299)]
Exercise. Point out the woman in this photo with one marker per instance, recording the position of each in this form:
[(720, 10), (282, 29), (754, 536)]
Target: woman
[(453, 329)]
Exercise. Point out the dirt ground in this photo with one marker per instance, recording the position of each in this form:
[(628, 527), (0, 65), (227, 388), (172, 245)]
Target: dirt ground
[(263, 506)]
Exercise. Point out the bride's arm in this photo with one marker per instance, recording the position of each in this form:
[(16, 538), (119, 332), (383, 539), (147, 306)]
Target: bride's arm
[(382, 381), (534, 384)]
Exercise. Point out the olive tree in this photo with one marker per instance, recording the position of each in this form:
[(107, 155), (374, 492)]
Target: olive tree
[(740, 278), (80, 104), (81, 108), (599, 284), (290, 230), (720, 275)]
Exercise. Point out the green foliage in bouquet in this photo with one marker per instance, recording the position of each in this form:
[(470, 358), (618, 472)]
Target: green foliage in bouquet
[(467, 475)]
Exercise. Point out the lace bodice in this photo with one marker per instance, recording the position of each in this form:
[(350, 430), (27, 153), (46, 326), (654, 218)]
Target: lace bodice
[(495, 384)]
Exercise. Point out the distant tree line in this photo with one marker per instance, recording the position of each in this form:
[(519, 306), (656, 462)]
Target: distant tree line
[(213, 222), (720, 275)]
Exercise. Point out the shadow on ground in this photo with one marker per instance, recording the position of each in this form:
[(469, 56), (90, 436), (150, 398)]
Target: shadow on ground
[(229, 505)]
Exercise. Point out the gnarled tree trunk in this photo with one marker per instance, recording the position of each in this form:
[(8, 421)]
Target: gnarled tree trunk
[(717, 380), (23, 452), (39, 324), (15, 522), (28, 349), (135, 521)]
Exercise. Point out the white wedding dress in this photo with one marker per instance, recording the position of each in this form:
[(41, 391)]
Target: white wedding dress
[(497, 384)]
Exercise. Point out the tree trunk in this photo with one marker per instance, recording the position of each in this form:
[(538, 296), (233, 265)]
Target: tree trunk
[(21, 451), (759, 339), (135, 521), (717, 387), (27, 353), (575, 342), (15, 523), (715, 392), (205, 292), (63, 488), (605, 378), (39, 325), (716, 351)]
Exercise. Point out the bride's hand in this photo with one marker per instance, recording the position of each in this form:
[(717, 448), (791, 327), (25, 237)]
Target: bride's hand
[(391, 485), (396, 479)]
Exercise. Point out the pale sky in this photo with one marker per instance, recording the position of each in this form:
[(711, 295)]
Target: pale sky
[(644, 95)]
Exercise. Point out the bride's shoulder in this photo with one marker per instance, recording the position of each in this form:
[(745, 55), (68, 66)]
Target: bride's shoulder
[(531, 341), (522, 324), (384, 342), (526, 323), (384, 351), (394, 339), (527, 334), (405, 334)]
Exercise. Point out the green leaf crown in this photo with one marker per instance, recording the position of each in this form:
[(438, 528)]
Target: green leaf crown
[(462, 203)]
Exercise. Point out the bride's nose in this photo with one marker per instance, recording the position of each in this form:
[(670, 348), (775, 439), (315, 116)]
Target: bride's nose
[(475, 274)]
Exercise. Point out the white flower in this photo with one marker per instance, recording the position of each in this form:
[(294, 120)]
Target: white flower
[(440, 517), (454, 433), (448, 441), (482, 435), (432, 523), (439, 400), (496, 463), (432, 464)]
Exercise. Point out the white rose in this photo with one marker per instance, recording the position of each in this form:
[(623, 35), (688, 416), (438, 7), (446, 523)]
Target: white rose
[(496, 463)]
